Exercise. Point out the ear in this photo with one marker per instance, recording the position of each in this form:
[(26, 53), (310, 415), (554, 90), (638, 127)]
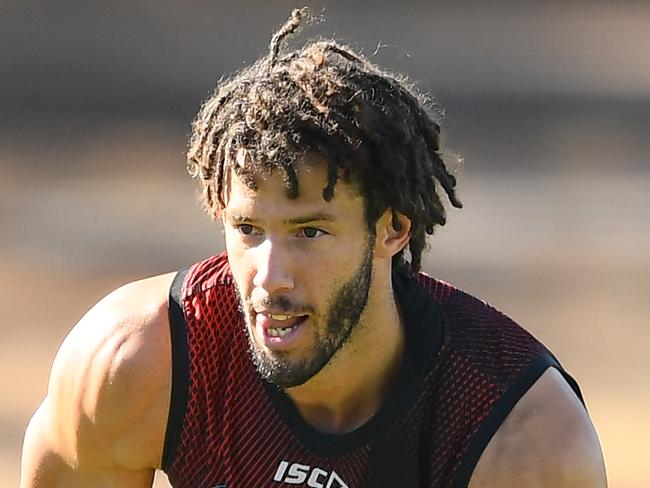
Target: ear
[(392, 236)]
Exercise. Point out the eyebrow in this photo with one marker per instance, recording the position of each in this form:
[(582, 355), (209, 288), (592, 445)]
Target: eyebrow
[(317, 217), (302, 219)]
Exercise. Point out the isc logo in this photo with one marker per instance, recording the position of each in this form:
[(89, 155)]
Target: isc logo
[(299, 474)]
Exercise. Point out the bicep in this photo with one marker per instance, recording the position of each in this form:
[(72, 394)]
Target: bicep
[(41, 465), (45, 464)]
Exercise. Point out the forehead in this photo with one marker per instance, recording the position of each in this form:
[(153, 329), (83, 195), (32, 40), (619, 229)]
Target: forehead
[(270, 197)]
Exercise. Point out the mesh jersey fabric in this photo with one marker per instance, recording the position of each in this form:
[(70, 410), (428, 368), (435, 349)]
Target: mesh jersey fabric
[(465, 366)]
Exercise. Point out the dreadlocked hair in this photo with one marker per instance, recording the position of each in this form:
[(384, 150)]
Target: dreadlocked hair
[(372, 128)]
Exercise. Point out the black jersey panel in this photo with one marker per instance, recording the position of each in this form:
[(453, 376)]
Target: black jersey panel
[(502, 409), (180, 369)]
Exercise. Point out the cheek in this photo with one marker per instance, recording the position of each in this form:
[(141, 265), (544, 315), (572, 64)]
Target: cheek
[(330, 270), (234, 251), (239, 264)]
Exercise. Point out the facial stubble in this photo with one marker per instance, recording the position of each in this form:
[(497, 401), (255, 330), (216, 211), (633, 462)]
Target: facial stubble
[(343, 315)]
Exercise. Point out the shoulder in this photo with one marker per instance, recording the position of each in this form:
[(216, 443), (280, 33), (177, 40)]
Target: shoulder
[(109, 387), (546, 440)]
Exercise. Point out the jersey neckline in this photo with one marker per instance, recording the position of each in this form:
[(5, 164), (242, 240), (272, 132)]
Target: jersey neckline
[(423, 326)]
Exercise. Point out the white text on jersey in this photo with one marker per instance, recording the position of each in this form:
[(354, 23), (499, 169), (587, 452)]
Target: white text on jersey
[(303, 474)]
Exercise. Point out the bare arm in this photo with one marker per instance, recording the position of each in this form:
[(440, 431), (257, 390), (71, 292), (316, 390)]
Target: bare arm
[(103, 421), (547, 440)]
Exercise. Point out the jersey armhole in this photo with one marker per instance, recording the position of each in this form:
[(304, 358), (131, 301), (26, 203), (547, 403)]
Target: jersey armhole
[(179, 371), (502, 408)]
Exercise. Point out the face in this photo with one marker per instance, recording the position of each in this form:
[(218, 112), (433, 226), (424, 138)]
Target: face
[(303, 270)]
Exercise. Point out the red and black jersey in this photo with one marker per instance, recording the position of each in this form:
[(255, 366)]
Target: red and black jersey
[(465, 367)]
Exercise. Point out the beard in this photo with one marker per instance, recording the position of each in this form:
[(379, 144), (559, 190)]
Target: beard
[(346, 305)]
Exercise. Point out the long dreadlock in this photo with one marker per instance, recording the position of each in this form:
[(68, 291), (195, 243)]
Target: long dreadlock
[(373, 129)]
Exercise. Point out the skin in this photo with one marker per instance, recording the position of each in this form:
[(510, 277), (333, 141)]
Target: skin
[(103, 421), (277, 259), (547, 440)]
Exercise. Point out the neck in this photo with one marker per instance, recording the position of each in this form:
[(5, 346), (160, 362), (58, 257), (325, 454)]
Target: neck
[(351, 388)]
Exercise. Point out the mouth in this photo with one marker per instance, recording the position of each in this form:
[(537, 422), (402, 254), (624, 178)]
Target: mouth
[(281, 331), (277, 329)]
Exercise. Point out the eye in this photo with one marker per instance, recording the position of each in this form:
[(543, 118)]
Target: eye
[(311, 232), (246, 229)]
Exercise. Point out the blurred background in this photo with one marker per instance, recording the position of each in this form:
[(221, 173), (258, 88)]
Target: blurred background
[(547, 102)]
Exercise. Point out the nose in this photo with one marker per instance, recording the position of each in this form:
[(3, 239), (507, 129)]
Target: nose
[(273, 268)]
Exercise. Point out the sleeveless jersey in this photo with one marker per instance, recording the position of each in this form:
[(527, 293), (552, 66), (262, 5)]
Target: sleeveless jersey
[(465, 366)]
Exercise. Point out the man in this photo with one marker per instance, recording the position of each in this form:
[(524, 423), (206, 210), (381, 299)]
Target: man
[(311, 353)]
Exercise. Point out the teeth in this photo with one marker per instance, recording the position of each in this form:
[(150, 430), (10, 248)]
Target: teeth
[(277, 332), (279, 316)]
